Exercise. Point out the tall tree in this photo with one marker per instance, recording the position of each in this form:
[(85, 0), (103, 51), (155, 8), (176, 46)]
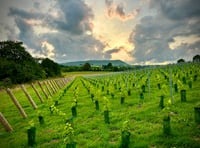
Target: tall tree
[(17, 64), (196, 58), (109, 66), (181, 61), (51, 68), (86, 67)]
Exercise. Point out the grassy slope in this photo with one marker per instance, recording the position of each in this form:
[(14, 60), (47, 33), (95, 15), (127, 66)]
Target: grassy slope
[(90, 129)]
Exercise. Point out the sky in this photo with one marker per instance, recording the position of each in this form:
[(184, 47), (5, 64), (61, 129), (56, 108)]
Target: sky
[(135, 31)]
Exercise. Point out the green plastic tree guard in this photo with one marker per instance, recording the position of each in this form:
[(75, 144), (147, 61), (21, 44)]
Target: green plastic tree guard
[(197, 114), (31, 136), (166, 125), (106, 117), (183, 95)]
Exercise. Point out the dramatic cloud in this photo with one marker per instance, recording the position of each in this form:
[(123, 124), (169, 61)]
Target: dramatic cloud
[(26, 33), (119, 53), (112, 51), (142, 32), (69, 41), (114, 10), (48, 49), (36, 5), (169, 35), (77, 17), (24, 14), (178, 9), (69, 48)]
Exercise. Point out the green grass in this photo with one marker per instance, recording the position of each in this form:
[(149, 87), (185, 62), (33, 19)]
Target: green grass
[(81, 73), (145, 118)]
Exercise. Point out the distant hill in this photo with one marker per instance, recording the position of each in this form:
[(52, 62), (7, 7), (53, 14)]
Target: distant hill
[(97, 63)]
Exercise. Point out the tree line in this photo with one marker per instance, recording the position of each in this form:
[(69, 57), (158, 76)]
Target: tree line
[(18, 66), (87, 67)]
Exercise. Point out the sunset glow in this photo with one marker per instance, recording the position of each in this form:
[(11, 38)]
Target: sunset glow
[(137, 32)]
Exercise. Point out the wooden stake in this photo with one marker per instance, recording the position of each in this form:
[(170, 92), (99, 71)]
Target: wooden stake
[(39, 83), (37, 93), (51, 81), (56, 85), (57, 82), (29, 97), (48, 88), (61, 82), (52, 88), (16, 103), (64, 81), (5, 123)]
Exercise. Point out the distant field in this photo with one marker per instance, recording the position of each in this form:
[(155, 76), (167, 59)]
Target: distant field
[(144, 114), (68, 74)]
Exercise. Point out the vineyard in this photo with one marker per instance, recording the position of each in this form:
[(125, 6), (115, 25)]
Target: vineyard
[(154, 107)]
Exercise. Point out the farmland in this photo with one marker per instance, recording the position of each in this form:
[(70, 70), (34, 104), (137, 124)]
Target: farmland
[(141, 109)]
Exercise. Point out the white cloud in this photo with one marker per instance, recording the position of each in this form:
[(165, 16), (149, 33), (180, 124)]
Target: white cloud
[(146, 31), (48, 49), (167, 35), (118, 11), (181, 40), (122, 55)]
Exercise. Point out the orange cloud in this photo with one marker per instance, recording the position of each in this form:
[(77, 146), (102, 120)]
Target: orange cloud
[(122, 54), (117, 10)]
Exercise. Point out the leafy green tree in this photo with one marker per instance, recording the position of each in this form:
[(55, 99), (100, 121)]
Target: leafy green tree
[(109, 66), (51, 68), (115, 68), (181, 61), (17, 64), (86, 67), (196, 58)]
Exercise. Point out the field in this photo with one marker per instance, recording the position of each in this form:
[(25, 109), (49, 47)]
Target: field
[(141, 112)]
